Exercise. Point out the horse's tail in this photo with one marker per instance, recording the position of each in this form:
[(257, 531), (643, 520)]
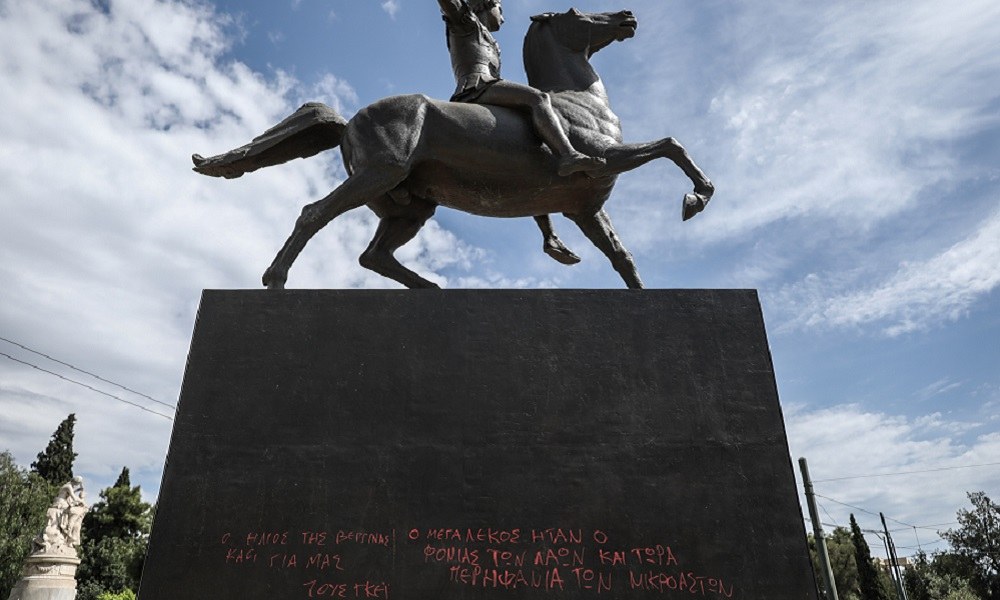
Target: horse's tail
[(311, 129)]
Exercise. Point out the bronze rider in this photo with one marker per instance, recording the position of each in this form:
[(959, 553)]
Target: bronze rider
[(475, 59)]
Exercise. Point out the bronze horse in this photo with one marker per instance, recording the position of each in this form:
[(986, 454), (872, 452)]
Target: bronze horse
[(406, 155)]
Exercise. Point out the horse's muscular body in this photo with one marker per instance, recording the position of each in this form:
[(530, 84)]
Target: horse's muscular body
[(442, 170), (408, 154)]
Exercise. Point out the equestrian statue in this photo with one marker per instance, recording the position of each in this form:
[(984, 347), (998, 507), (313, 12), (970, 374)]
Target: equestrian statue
[(497, 149)]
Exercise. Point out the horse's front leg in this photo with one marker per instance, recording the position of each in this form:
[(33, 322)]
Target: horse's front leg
[(626, 157), (598, 229)]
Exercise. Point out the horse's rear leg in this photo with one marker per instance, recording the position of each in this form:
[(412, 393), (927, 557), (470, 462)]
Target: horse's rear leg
[(552, 245), (393, 232), (598, 229), (357, 190)]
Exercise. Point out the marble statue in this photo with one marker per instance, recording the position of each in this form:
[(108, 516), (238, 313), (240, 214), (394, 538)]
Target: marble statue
[(49, 572), (61, 534)]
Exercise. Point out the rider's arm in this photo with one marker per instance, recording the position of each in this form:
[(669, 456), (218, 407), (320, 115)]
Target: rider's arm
[(451, 9), (457, 14)]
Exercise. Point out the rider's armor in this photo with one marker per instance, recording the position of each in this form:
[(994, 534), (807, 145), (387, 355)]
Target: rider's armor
[(475, 55)]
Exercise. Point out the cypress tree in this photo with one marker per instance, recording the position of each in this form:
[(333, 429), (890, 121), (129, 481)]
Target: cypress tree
[(868, 580), (123, 479), (55, 463)]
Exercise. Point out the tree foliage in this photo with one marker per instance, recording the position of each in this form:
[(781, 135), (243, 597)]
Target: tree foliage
[(945, 577), (24, 496), (55, 463), (870, 583), (126, 595), (116, 534), (845, 572), (843, 561), (977, 541)]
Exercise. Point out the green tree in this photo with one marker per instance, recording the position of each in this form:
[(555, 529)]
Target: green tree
[(977, 540), (947, 576), (917, 578), (55, 463), (24, 496), (116, 534), (126, 595), (845, 572), (869, 582)]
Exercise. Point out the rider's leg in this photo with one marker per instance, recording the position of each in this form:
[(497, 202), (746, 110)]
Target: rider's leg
[(547, 125), (551, 243)]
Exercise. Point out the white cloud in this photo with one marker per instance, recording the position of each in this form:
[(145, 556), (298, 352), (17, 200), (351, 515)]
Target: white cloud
[(108, 236), (846, 112), (391, 7), (828, 131), (336, 93), (915, 297), (941, 386), (934, 455)]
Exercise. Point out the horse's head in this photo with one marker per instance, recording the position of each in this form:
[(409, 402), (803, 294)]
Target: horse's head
[(587, 32), (558, 46)]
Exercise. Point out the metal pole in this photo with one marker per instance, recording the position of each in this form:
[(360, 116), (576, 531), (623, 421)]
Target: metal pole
[(893, 561), (824, 556)]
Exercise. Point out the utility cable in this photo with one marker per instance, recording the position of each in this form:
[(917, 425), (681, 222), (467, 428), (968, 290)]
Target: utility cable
[(94, 375), (993, 464), (864, 510), (36, 367), (834, 525), (828, 514)]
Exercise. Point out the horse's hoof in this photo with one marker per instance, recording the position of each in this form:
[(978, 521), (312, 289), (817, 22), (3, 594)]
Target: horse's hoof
[(693, 204), (271, 281), (560, 253)]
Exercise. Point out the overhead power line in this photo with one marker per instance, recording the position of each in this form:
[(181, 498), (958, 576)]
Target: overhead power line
[(822, 523), (919, 546), (94, 375), (36, 367), (864, 510), (993, 464), (828, 514), (908, 526), (931, 527)]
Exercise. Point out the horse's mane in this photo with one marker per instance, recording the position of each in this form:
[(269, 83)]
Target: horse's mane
[(533, 53)]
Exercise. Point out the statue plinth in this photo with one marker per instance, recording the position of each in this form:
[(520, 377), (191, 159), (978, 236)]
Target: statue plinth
[(478, 445), (47, 577)]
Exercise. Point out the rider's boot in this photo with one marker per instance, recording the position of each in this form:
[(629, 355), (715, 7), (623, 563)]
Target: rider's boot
[(580, 163)]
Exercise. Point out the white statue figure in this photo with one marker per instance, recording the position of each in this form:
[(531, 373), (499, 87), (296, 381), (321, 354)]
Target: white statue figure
[(63, 521)]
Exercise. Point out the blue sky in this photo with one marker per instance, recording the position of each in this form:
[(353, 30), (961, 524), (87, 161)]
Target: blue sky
[(854, 147)]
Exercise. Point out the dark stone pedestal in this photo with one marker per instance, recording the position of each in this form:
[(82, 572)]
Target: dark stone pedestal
[(410, 445)]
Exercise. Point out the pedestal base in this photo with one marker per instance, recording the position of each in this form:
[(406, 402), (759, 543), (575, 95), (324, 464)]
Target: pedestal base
[(47, 578), (478, 445)]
